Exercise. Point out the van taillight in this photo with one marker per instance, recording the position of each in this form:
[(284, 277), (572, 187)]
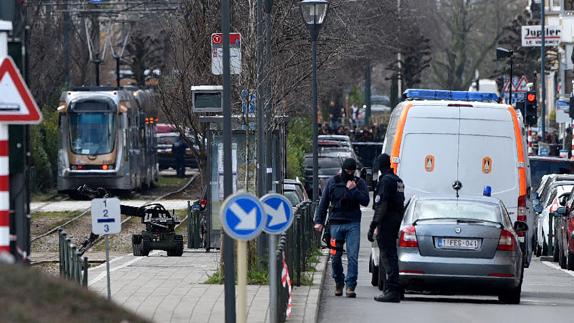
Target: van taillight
[(408, 238), (506, 241), (521, 215)]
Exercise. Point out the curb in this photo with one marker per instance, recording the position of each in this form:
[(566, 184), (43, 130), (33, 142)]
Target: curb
[(318, 280)]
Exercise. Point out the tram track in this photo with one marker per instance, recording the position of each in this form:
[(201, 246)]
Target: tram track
[(87, 211)]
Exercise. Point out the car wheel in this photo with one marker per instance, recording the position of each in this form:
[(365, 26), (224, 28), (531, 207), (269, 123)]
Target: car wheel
[(512, 296), (382, 275), (374, 270), (136, 245), (570, 261)]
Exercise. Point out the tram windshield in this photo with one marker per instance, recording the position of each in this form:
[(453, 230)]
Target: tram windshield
[(92, 133)]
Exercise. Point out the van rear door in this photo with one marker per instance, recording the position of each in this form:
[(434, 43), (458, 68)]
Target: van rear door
[(488, 156), (429, 150)]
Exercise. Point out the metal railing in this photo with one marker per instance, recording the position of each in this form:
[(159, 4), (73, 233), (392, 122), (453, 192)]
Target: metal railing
[(294, 247), (72, 265)]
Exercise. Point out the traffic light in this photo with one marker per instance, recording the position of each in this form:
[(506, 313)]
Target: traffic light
[(531, 109)]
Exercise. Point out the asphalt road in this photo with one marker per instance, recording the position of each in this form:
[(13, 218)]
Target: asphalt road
[(547, 296)]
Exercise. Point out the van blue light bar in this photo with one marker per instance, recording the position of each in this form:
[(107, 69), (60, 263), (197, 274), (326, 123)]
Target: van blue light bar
[(422, 94)]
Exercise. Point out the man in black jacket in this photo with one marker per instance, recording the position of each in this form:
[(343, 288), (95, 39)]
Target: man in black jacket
[(343, 196), (389, 209)]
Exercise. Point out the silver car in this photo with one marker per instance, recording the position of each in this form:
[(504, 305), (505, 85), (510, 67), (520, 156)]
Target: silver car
[(465, 245)]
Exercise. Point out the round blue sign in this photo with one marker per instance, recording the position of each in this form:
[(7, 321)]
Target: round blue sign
[(242, 216), (279, 213)]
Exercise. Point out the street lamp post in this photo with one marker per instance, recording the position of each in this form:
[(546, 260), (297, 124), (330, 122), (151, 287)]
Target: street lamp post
[(314, 12)]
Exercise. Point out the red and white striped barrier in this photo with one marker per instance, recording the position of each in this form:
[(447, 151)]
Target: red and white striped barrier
[(286, 282), (4, 191)]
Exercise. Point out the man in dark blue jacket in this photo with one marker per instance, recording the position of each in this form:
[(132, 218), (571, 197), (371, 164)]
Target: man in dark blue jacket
[(343, 196), (389, 208)]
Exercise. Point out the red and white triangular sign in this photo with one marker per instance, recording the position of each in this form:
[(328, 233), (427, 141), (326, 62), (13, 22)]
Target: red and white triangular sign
[(16, 102)]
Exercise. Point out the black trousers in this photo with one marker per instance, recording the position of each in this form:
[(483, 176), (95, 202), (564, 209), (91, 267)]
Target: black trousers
[(388, 249)]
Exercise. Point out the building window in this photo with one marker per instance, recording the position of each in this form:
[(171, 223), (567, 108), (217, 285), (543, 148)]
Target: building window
[(568, 5)]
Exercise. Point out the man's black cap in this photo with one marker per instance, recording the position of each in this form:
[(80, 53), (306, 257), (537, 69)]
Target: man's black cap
[(350, 164), (384, 162)]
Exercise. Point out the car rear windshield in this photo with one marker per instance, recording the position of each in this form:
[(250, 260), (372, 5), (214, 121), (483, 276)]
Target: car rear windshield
[(442, 209)]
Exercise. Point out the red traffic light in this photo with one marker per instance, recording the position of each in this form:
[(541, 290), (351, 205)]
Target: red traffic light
[(531, 97)]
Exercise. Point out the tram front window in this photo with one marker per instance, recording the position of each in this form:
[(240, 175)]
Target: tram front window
[(92, 133)]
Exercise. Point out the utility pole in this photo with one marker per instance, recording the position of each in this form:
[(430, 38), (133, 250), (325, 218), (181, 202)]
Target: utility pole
[(66, 43), (542, 70), (368, 93), (261, 124), (228, 244), (399, 57)]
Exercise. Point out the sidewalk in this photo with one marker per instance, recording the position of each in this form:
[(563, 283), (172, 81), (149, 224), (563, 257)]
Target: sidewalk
[(172, 289)]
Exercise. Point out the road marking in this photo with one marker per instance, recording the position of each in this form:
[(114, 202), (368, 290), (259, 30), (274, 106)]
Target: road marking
[(103, 274), (555, 266)]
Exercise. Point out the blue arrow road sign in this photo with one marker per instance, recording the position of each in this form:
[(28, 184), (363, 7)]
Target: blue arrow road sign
[(279, 213), (242, 216)]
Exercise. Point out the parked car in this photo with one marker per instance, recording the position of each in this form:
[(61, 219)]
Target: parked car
[(164, 154), (329, 165), (461, 245), (294, 190), (564, 231), (542, 165), (546, 182), (556, 197), (342, 139)]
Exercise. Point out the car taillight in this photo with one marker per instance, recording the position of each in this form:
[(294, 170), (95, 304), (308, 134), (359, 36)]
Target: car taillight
[(105, 167), (506, 241), (408, 237), (521, 215)]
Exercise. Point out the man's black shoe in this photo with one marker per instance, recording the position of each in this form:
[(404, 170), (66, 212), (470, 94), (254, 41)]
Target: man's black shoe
[(339, 290), (351, 293), (388, 298)]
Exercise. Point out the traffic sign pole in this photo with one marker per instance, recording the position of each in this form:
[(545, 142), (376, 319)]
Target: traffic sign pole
[(106, 220), (108, 266), (242, 218), (280, 216), (4, 164), (241, 281)]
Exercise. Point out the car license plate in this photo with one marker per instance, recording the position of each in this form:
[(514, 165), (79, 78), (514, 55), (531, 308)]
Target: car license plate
[(455, 243)]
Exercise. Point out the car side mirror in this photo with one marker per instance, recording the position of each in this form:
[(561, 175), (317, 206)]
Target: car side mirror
[(538, 208), (561, 211), (520, 226)]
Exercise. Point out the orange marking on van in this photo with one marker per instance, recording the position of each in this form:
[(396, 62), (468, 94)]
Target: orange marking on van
[(399, 136), (520, 148), (429, 163)]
